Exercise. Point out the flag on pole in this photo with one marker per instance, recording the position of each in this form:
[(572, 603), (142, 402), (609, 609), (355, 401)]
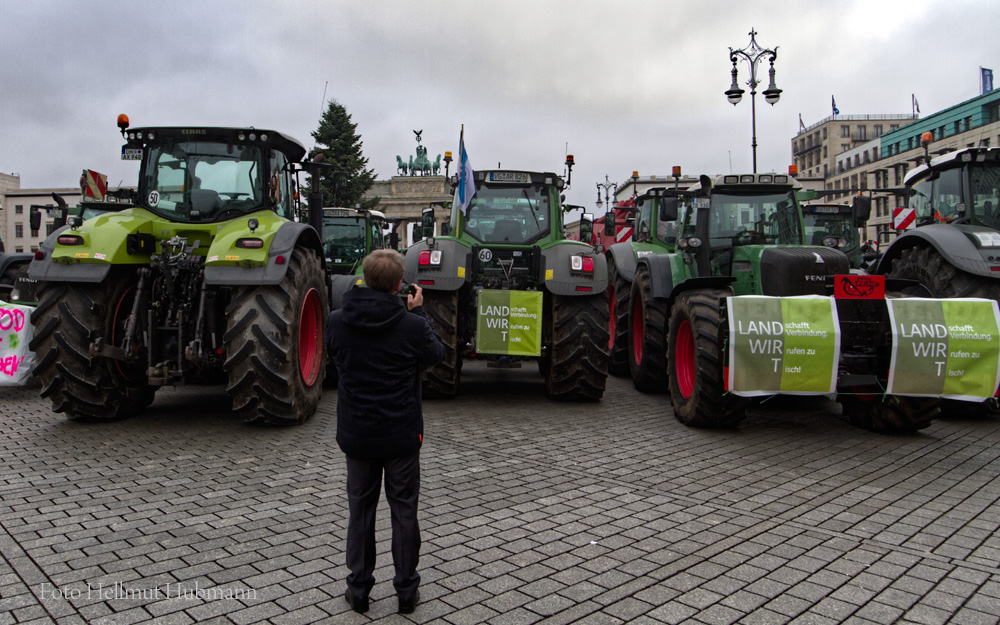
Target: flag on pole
[(833, 101), (916, 105), (987, 79), (466, 182), (802, 125)]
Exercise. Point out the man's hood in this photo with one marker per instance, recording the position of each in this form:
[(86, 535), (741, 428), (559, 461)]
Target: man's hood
[(370, 310)]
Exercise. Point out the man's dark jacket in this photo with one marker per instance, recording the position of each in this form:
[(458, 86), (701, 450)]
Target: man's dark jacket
[(380, 349)]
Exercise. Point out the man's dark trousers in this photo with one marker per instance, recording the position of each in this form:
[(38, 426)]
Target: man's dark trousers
[(402, 488)]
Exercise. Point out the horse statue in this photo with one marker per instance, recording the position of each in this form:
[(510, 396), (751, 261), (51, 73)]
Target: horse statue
[(412, 171), (437, 165), (400, 166), (421, 164)]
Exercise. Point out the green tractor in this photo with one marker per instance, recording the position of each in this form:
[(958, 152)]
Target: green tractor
[(506, 285), (207, 277), (742, 235), (838, 226), (757, 239)]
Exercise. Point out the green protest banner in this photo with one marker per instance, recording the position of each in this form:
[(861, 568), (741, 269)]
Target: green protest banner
[(947, 348), (783, 345), (509, 322)]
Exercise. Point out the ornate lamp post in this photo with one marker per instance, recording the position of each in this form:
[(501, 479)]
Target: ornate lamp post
[(752, 54), (606, 185)]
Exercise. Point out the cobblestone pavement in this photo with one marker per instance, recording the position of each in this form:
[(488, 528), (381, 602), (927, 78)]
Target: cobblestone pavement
[(531, 511)]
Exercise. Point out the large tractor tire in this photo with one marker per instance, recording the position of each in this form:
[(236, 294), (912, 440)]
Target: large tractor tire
[(647, 336), (441, 380), (69, 318), (578, 360), (618, 298), (275, 353), (695, 355), (894, 413), (925, 264)]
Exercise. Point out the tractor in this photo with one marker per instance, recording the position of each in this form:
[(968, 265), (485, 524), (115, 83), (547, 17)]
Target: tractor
[(742, 236), (205, 278), (506, 286)]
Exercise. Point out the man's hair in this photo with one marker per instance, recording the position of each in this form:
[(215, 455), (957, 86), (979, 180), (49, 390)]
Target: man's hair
[(383, 269)]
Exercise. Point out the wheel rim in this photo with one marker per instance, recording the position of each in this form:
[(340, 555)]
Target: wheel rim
[(310, 337), (684, 366), (612, 318), (637, 330)]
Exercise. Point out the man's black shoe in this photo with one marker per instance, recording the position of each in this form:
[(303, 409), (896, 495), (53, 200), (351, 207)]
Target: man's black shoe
[(358, 604), (407, 606)]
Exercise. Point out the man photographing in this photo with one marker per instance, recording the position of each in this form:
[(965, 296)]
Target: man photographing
[(380, 346)]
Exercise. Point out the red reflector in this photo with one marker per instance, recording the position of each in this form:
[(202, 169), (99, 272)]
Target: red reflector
[(69, 241), (584, 288), (279, 259), (425, 282), (588, 264), (39, 255), (425, 258), (250, 243), (994, 268)]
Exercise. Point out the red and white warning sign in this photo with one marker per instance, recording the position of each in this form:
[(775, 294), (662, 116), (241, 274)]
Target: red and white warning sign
[(94, 185), (624, 234), (904, 218)]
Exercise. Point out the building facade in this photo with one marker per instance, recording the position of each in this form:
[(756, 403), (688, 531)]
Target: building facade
[(15, 213)]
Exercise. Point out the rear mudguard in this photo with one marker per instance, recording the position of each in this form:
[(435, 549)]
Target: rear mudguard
[(951, 241), (560, 279), (130, 237)]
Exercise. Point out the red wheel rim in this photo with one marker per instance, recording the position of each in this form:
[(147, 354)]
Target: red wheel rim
[(612, 320), (684, 366), (310, 337), (637, 330)]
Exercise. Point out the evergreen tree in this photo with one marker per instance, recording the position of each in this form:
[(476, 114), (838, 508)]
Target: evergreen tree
[(347, 180)]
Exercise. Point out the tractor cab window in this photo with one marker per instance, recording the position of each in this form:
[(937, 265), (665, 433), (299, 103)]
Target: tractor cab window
[(508, 214), (770, 218), (376, 234), (280, 186), (985, 200), (644, 221), (344, 238), (822, 223), (948, 194), (666, 230), (203, 181)]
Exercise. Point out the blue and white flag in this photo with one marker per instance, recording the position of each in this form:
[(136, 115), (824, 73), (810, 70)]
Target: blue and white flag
[(466, 180), (987, 79), (836, 111)]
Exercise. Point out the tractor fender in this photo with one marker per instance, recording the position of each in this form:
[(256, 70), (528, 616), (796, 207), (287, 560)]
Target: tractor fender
[(624, 258), (450, 275), (950, 241), (559, 278), (289, 236), (11, 261), (661, 278), (339, 285), (44, 270)]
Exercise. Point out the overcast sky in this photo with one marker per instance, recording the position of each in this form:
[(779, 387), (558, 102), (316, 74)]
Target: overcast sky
[(623, 86)]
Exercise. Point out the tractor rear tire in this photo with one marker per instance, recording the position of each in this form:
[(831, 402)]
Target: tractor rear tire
[(578, 360), (618, 299), (441, 381), (647, 356), (275, 352), (68, 319), (695, 358), (925, 264)]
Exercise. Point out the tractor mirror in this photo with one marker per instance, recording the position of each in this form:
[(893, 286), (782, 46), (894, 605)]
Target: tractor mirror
[(445, 229), (427, 223), (35, 219), (586, 227), (668, 209), (861, 207), (609, 224), (393, 240)]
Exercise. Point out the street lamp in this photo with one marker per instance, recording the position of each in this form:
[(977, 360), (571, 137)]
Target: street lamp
[(752, 54), (606, 185)]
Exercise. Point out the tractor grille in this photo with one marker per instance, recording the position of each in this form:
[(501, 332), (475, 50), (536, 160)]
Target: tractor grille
[(798, 271)]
